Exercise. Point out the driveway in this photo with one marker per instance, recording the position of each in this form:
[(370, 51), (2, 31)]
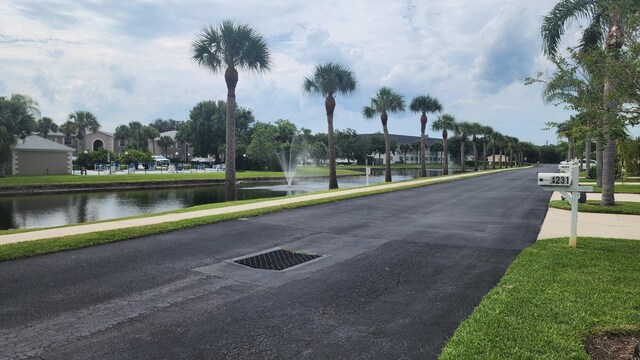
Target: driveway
[(399, 272)]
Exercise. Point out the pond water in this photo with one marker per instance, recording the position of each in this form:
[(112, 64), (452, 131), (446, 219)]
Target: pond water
[(31, 211)]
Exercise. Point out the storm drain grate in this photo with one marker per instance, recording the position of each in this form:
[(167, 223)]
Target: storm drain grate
[(277, 260)]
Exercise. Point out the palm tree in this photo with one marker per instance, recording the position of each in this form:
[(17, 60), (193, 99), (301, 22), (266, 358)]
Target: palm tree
[(404, 149), (444, 123), (122, 133), (83, 121), (495, 138), (229, 47), (424, 104), (437, 148), (149, 133), (475, 130), (463, 130), (328, 80), (606, 17), (46, 125), (68, 129), (164, 142), (486, 132), (384, 102)]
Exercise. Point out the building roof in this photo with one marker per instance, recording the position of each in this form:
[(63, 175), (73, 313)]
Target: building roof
[(33, 142), (172, 134), (408, 139)]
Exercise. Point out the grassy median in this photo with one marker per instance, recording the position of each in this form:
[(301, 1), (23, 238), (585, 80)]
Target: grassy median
[(593, 206), (551, 298)]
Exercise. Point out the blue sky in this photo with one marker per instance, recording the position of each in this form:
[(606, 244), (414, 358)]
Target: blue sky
[(130, 60)]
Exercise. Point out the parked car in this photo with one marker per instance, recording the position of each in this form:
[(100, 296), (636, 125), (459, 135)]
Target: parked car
[(160, 160)]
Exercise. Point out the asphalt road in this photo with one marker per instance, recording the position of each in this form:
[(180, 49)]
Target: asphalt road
[(400, 271)]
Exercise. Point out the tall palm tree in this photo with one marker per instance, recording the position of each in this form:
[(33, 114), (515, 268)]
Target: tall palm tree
[(45, 126), (328, 80), (486, 133), (444, 123), (565, 130), (384, 102), (424, 104), (606, 22), (463, 129), (229, 47), (83, 121)]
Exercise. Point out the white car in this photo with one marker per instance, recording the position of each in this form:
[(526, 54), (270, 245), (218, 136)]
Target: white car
[(160, 160)]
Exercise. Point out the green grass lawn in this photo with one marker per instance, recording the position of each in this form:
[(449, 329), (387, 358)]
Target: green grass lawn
[(551, 298), (625, 189), (13, 181), (593, 206)]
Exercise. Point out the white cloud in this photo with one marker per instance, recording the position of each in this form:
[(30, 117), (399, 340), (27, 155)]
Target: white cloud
[(132, 61)]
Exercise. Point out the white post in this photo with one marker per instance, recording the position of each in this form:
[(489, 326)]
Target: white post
[(575, 196)]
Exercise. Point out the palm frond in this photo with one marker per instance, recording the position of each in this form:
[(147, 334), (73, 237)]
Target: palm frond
[(329, 79), (562, 14), (424, 104)]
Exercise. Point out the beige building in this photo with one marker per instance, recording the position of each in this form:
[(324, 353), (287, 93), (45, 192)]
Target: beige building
[(38, 156), (92, 142)]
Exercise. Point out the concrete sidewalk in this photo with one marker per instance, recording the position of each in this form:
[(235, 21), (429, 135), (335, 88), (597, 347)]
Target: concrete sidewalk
[(557, 222)]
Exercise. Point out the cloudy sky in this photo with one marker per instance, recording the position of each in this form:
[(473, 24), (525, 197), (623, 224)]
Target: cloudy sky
[(131, 60)]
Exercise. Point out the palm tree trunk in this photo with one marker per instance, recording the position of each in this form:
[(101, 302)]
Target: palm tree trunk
[(608, 172), (230, 192), (570, 150), (330, 105), (599, 162), (501, 158), (445, 155), (462, 150), (493, 150), (387, 148), (484, 153), (587, 156), (475, 155), (423, 145)]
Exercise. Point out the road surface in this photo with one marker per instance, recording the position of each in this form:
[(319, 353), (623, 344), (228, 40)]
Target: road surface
[(399, 272)]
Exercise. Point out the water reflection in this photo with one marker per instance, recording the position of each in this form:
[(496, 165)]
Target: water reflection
[(44, 210)]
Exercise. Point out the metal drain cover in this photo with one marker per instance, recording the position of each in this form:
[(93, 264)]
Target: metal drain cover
[(277, 259)]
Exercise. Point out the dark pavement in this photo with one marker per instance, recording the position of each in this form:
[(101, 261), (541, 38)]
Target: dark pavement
[(400, 271)]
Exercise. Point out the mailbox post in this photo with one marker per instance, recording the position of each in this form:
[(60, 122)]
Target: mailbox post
[(566, 183)]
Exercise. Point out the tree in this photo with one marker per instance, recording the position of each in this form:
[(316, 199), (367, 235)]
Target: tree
[(46, 125), (444, 123), (18, 116), (376, 144), (437, 148), (165, 125), (495, 138), (606, 27), (230, 47), (68, 129), (328, 80), (384, 102), (404, 149), (164, 142), (350, 145), (83, 121), (424, 104), (486, 132), (263, 148), (474, 130), (463, 130)]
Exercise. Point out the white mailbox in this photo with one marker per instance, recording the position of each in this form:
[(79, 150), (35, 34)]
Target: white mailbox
[(566, 183), (554, 179)]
